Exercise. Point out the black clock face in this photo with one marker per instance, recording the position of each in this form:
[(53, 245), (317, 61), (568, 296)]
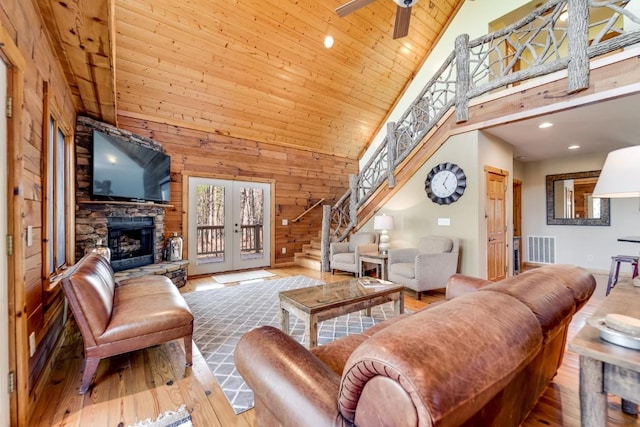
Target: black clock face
[(445, 183)]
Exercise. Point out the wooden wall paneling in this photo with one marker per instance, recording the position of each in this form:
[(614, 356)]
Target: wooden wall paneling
[(264, 37), (82, 39), (329, 101), (295, 174), (250, 127), (33, 62), (32, 159)]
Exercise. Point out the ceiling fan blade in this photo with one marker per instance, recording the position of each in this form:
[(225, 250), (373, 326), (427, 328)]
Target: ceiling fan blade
[(351, 6), (403, 16)]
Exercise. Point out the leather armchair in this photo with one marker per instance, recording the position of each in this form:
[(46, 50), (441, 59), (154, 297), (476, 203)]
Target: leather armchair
[(426, 267), (345, 256)]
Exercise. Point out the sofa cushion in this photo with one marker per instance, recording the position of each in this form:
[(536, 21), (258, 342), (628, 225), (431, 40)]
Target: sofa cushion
[(405, 269), (435, 245), (336, 353), (578, 280), (152, 305), (546, 295), (346, 258)]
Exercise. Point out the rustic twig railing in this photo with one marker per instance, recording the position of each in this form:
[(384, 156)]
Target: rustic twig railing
[(537, 45)]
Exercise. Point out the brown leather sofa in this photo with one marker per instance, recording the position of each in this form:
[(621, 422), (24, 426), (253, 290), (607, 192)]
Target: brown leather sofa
[(116, 318), (482, 358)]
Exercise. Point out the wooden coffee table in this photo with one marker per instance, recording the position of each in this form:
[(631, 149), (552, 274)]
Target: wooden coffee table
[(317, 303)]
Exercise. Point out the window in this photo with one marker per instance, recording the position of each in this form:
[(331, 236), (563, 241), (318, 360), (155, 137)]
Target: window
[(57, 191)]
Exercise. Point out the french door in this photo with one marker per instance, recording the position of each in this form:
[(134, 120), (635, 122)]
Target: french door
[(229, 225)]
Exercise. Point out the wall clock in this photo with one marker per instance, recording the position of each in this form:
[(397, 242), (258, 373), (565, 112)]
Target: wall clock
[(445, 183)]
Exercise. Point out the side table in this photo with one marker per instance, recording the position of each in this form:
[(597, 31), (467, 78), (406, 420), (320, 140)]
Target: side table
[(606, 367), (380, 260)]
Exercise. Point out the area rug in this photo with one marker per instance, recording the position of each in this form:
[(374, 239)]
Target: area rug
[(242, 276), (222, 316), (177, 418)]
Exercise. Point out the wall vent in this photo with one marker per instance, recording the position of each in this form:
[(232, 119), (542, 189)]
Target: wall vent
[(541, 249)]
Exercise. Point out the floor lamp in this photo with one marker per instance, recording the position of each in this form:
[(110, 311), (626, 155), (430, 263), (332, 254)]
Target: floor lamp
[(383, 223), (620, 177)]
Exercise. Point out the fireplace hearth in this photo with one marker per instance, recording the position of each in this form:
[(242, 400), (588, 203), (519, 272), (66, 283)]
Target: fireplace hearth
[(131, 240)]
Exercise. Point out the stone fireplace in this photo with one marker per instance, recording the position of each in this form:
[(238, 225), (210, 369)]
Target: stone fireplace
[(135, 232), (131, 241), (95, 219)]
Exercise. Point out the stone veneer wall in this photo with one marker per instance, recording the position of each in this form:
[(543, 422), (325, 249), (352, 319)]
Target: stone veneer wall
[(91, 219)]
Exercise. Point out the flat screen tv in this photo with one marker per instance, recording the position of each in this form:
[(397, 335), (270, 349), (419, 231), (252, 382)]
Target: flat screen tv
[(123, 170)]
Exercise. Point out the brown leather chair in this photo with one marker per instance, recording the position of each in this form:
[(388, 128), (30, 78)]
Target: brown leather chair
[(116, 318)]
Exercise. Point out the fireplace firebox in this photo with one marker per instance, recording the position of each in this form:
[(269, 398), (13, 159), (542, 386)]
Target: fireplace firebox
[(131, 240)]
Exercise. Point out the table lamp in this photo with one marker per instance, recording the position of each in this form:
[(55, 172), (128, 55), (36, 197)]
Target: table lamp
[(383, 223)]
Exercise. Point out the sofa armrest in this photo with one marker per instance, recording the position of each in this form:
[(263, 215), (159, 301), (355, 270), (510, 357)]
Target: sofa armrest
[(460, 284), (338, 248), (294, 384), (402, 255)]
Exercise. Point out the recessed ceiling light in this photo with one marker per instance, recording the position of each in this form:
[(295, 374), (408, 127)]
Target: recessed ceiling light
[(521, 157), (328, 42), (573, 147), (545, 125)]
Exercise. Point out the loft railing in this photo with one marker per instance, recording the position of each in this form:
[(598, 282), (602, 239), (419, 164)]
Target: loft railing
[(537, 45)]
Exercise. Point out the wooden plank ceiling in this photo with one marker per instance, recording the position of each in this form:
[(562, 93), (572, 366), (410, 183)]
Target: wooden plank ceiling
[(253, 69)]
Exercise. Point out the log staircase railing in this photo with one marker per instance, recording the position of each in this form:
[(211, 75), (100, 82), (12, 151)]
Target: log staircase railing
[(537, 45)]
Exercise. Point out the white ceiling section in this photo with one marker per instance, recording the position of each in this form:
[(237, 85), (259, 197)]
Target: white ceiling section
[(596, 128)]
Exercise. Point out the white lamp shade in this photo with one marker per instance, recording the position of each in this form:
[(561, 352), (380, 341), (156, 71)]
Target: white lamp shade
[(620, 175), (383, 222)]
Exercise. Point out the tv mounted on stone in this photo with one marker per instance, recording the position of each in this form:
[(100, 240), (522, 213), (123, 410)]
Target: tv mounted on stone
[(123, 170)]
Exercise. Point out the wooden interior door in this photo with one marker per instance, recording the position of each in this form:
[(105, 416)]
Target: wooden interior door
[(5, 327), (496, 223), (517, 226)]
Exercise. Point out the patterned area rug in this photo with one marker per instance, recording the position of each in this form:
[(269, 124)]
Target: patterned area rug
[(242, 276), (222, 316)]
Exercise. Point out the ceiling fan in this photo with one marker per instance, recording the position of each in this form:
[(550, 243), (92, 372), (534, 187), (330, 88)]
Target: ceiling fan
[(403, 13)]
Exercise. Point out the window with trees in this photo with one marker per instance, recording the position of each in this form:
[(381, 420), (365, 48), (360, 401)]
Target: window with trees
[(57, 191)]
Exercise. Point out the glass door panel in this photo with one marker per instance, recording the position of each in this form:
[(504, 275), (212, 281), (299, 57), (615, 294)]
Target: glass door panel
[(228, 225)]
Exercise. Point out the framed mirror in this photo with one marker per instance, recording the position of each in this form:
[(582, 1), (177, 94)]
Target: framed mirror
[(570, 200)]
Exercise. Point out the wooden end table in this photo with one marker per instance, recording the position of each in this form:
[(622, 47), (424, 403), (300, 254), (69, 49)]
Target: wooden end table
[(380, 260), (317, 303), (606, 367)]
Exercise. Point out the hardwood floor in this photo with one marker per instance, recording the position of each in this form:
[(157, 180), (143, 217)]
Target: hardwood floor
[(142, 384)]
